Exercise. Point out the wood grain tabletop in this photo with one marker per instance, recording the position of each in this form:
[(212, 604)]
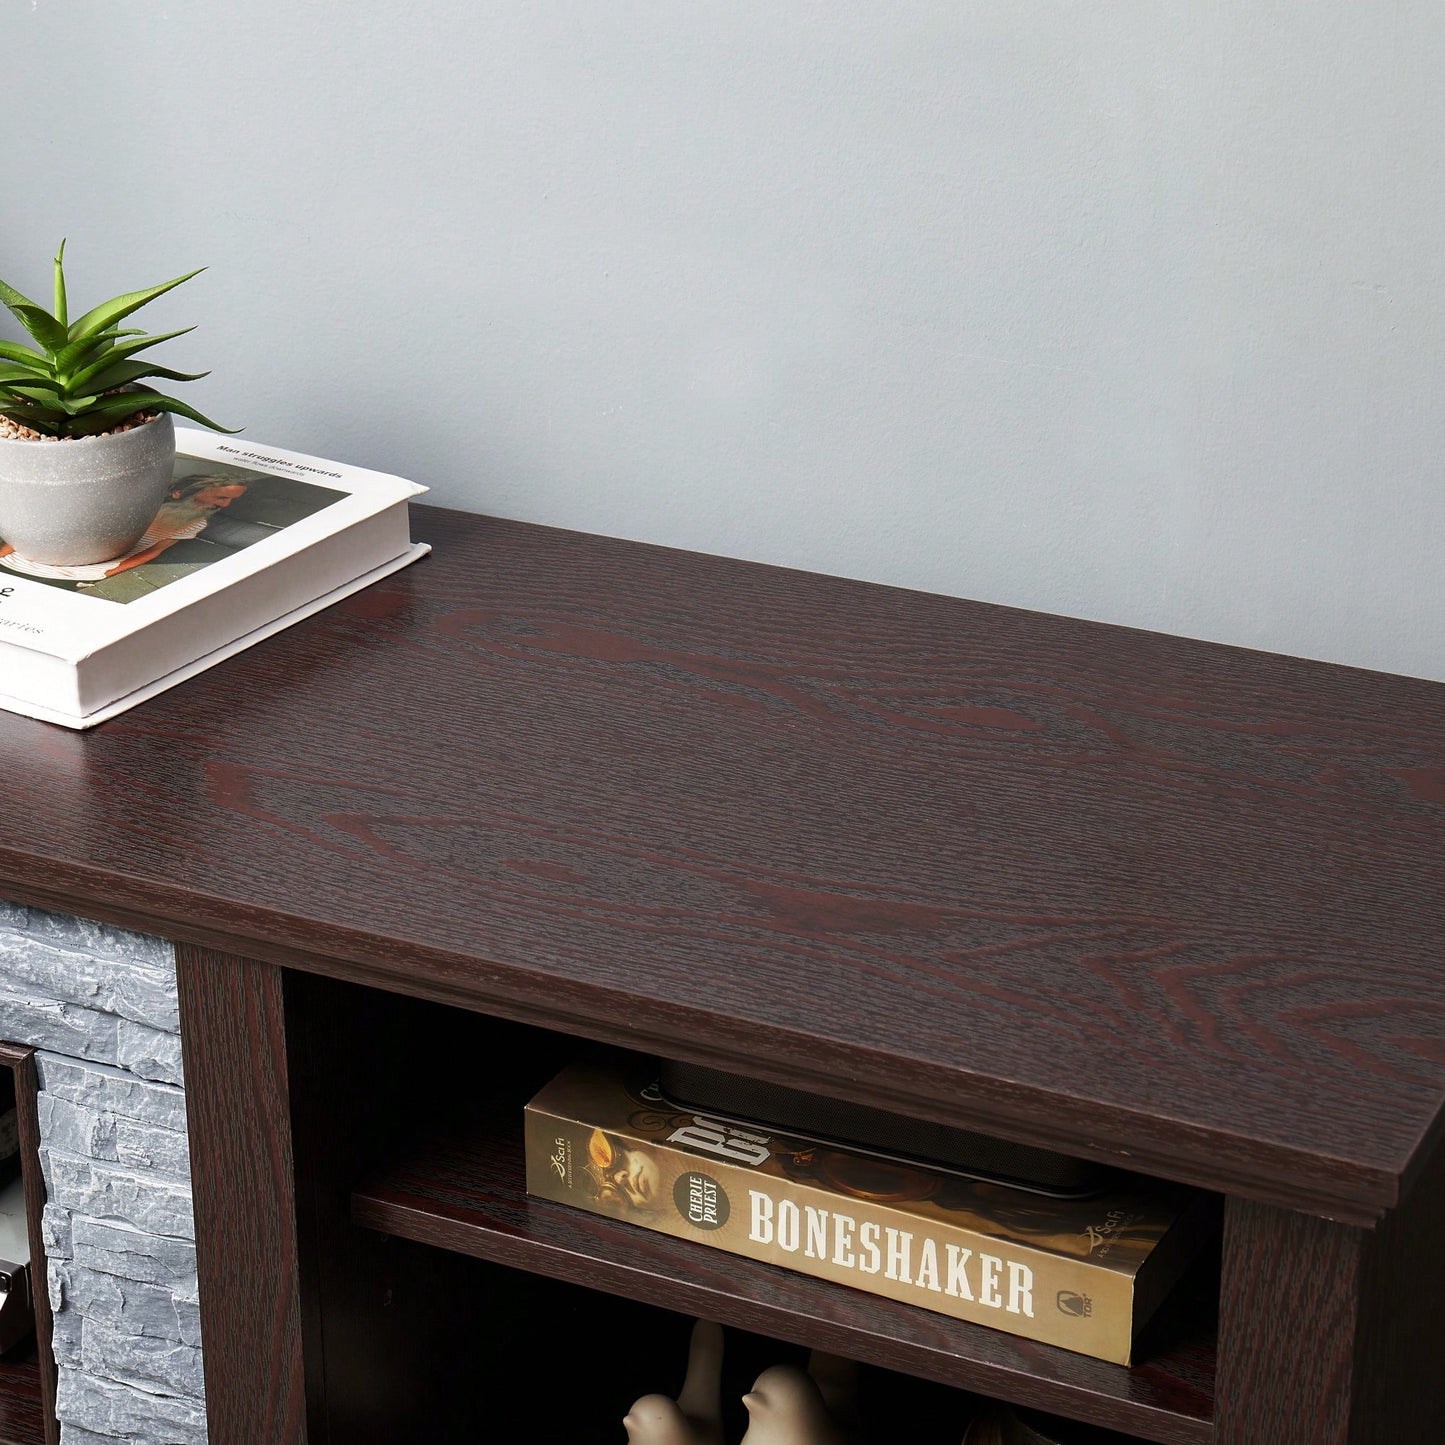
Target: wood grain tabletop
[(1159, 902)]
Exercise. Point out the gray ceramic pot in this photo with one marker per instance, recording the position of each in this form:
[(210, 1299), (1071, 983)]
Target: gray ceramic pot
[(88, 499)]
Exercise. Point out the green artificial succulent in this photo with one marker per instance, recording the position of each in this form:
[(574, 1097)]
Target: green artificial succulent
[(82, 381)]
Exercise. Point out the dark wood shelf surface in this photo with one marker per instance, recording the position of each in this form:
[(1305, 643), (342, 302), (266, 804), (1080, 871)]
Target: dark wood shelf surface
[(465, 1191), (21, 1413), (1148, 900)]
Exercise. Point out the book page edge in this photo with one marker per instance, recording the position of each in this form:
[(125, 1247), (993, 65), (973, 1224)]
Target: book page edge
[(220, 654)]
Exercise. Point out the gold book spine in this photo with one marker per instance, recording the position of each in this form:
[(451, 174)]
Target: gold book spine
[(863, 1243)]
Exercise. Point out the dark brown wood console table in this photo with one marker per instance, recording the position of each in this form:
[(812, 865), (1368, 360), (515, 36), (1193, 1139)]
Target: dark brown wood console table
[(1155, 902)]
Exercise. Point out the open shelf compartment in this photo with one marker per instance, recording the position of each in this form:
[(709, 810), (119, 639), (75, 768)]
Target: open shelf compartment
[(436, 1160), (465, 1190)]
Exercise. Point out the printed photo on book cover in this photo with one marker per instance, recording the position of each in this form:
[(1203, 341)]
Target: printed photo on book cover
[(213, 511)]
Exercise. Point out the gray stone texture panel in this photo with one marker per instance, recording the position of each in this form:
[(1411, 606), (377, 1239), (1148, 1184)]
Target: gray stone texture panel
[(109, 1193), (116, 985), (101, 1134), (55, 1225), (129, 1253), (151, 1053), (98, 1086), (125, 1305), (95, 940), (79, 1435), (147, 1363), (51, 1023), (100, 1004), (116, 1411)]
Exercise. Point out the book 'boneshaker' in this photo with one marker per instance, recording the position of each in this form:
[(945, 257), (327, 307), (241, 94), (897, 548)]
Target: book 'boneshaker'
[(1084, 1274)]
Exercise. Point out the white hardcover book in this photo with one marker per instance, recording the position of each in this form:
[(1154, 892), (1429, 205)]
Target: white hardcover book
[(249, 539)]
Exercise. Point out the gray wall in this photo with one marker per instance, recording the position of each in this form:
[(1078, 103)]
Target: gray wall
[(1131, 310)]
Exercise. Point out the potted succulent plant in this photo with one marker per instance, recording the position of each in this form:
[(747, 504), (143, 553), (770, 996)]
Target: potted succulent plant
[(86, 448)]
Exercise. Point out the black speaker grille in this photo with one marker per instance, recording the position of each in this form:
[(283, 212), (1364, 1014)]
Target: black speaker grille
[(859, 1126)]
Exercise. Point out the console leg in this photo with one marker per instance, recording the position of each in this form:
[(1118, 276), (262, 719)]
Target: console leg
[(233, 1035), (1331, 1334)]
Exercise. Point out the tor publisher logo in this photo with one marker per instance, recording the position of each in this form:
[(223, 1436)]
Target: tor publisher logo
[(1070, 1302)]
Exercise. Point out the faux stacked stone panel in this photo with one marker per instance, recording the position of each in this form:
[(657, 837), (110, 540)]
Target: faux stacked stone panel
[(99, 1004)]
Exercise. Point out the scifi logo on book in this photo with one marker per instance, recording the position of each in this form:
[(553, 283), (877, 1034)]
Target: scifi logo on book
[(1103, 1237), (561, 1159), (1080, 1306), (701, 1200)]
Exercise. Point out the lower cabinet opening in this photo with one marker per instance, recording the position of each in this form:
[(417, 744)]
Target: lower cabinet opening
[(443, 1303)]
